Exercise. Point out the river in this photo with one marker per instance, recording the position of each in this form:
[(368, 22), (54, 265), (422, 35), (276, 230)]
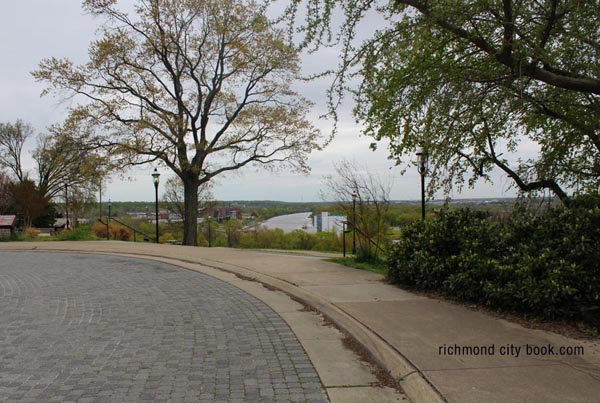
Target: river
[(291, 222)]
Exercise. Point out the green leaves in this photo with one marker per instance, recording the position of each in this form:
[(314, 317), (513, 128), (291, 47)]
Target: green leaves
[(547, 264), (480, 83), (203, 86)]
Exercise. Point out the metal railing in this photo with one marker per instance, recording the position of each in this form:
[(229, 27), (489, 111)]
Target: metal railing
[(350, 226), (146, 237)]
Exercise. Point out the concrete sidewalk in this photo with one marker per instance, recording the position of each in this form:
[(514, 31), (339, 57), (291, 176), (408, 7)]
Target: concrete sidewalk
[(438, 350)]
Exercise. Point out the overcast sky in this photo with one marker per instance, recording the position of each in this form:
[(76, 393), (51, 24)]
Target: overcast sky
[(31, 30)]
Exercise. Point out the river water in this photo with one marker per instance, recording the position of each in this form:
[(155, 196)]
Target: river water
[(291, 222)]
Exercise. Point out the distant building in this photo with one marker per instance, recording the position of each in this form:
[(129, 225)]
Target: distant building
[(227, 213), (140, 215), (327, 222)]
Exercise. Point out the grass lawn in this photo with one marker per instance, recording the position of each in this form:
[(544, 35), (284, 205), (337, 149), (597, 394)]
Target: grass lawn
[(375, 266)]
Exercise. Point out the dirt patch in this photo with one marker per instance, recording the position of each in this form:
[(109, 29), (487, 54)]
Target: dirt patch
[(384, 377)]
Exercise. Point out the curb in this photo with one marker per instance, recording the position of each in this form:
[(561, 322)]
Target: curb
[(415, 385)]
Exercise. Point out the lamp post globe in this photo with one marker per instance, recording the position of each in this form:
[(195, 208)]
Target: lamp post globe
[(156, 180)]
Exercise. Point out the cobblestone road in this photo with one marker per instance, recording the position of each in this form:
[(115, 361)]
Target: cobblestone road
[(77, 327)]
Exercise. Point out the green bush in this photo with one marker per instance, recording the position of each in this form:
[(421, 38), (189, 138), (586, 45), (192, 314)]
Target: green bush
[(547, 264), (263, 238), (116, 231), (12, 238), (80, 233)]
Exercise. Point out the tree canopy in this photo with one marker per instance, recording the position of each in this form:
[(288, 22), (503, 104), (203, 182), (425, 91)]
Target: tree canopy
[(64, 156), (474, 82), (64, 163), (12, 140), (200, 86)]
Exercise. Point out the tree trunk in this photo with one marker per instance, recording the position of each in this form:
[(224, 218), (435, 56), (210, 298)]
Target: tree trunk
[(190, 218)]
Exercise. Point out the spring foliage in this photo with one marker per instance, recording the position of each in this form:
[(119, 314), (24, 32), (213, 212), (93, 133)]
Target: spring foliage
[(545, 264), (511, 85)]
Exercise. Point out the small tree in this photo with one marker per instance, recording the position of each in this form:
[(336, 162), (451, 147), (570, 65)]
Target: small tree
[(27, 202), (233, 232), (372, 204), (209, 231)]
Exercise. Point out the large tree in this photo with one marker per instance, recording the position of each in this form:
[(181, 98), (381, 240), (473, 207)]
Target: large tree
[(63, 157), (475, 82), (66, 161), (201, 86)]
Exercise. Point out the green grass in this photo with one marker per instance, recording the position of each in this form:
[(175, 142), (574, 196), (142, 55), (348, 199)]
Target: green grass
[(81, 233), (375, 266), (12, 238)]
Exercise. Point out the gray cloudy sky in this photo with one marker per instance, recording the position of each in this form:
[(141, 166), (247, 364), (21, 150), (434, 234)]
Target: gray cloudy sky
[(31, 30)]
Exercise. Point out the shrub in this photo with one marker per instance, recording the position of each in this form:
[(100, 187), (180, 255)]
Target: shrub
[(119, 232), (166, 237), (31, 233), (219, 240), (547, 264), (263, 238), (327, 242), (12, 238), (99, 230), (116, 231), (81, 233)]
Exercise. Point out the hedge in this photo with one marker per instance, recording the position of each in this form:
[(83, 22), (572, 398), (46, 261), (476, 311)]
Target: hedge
[(547, 265)]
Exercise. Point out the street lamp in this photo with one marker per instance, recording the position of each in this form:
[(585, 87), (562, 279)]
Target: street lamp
[(209, 234), (100, 191), (156, 179), (354, 196), (67, 204), (108, 222), (422, 166)]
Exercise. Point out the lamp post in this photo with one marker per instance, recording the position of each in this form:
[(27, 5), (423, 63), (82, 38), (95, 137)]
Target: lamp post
[(156, 179), (100, 206), (354, 196), (344, 238), (209, 233), (108, 222), (422, 165), (67, 204)]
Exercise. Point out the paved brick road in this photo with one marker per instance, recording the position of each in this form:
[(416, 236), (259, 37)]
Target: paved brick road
[(77, 327)]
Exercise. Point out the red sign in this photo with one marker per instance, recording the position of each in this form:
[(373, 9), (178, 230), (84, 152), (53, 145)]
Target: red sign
[(7, 220)]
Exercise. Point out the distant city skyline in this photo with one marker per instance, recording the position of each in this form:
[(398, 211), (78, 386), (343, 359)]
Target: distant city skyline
[(40, 29)]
